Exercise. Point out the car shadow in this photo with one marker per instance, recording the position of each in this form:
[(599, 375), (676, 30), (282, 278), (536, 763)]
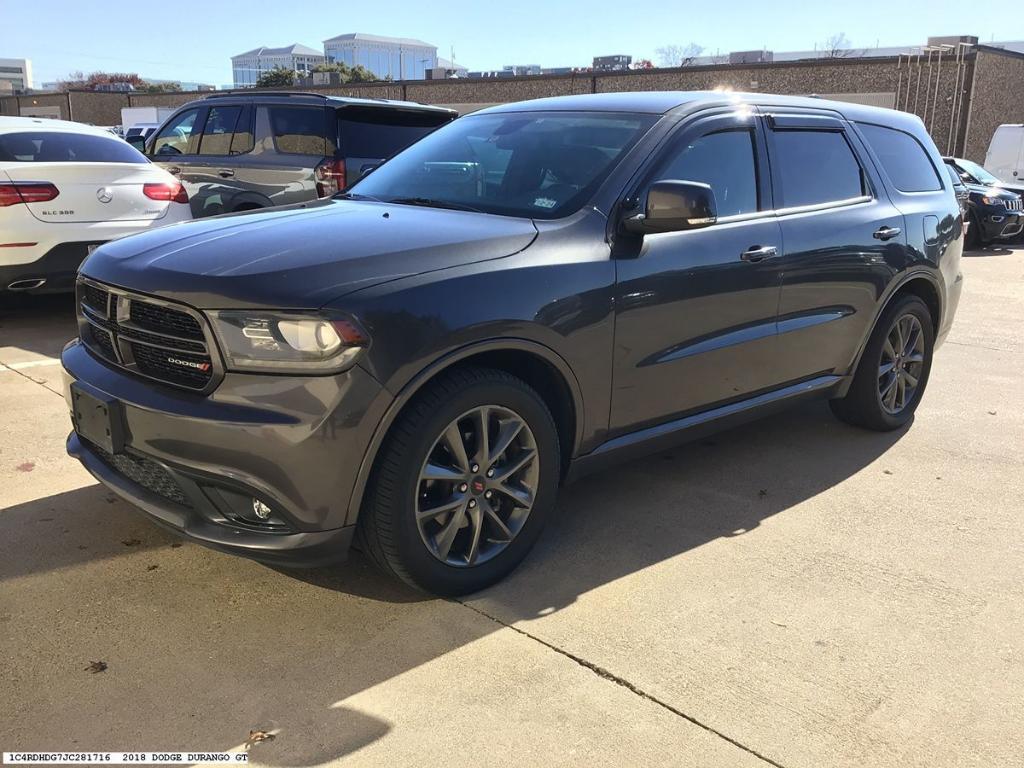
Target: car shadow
[(41, 324), (990, 250), (207, 647)]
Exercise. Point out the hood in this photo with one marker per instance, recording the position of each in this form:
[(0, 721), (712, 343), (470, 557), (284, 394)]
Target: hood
[(990, 191), (302, 257)]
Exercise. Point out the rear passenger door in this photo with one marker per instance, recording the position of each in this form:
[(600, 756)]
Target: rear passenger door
[(843, 241)]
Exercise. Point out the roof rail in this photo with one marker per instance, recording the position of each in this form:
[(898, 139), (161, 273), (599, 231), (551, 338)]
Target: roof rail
[(261, 92)]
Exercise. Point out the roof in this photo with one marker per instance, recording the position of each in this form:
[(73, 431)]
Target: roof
[(284, 97), (661, 102), (295, 49), (361, 37), (11, 124)]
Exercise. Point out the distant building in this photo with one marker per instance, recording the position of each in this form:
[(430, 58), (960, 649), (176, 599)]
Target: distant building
[(616, 63), (518, 70), (398, 58), (17, 73), (247, 67)]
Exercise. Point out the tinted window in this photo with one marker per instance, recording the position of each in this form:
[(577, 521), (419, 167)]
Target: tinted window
[(903, 158), (380, 133), (532, 164), (816, 167), (726, 161), (176, 136), (298, 130), (219, 130), (242, 141), (975, 173), (61, 147)]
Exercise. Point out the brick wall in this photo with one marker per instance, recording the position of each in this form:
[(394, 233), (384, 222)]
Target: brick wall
[(997, 97)]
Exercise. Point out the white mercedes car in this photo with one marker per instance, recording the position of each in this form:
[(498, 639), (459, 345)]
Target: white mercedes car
[(66, 188)]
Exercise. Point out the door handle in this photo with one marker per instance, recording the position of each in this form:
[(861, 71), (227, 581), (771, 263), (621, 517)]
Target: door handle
[(174, 169), (886, 233), (757, 253), (225, 173)]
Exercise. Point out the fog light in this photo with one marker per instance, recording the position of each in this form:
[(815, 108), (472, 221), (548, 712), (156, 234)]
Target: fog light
[(261, 510)]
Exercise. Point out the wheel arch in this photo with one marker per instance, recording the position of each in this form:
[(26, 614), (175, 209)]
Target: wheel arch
[(920, 283), (537, 364)]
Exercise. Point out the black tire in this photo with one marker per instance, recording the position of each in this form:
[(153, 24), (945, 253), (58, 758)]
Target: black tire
[(388, 531), (975, 239), (863, 404)]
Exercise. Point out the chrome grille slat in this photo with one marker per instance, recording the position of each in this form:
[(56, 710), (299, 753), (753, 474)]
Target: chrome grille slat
[(183, 357)]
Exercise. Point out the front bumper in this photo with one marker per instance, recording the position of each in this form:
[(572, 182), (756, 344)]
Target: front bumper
[(195, 463), (1000, 225)]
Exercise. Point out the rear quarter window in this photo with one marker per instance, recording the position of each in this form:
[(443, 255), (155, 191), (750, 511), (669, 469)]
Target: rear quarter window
[(904, 159), (298, 130), (63, 147), (381, 133)]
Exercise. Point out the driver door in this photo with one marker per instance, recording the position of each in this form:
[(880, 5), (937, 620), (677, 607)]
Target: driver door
[(696, 309), (175, 149)]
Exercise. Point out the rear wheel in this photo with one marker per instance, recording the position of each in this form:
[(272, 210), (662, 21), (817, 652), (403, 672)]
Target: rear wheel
[(893, 370), (464, 483)]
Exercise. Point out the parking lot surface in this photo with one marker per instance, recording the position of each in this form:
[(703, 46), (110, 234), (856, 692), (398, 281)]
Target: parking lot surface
[(795, 592)]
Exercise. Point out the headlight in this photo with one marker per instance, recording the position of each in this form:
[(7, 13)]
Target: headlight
[(993, 200), (287, 342)]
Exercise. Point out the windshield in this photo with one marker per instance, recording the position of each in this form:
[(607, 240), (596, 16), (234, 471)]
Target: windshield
[(541, 165), (980, 174), (66, 147)]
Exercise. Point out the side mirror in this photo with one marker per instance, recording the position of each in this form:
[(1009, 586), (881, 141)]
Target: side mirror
[(139, 142), (672, 206)]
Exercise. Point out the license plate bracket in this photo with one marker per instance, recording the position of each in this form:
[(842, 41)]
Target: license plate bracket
[(98, 418)]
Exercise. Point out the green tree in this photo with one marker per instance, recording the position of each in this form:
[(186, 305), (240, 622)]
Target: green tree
[(278, 77), (347, 74)]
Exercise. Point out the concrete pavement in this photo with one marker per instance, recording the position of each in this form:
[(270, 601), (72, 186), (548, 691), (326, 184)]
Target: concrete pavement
[(795, 592)]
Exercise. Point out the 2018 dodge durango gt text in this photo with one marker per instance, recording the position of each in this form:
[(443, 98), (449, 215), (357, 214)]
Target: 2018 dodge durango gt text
[(525, 295)]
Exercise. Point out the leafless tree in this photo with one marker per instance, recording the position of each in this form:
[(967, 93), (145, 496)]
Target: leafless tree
[(678, 55), (838, 47)]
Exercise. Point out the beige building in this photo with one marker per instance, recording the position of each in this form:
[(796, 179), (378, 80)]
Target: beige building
[(15, 75)]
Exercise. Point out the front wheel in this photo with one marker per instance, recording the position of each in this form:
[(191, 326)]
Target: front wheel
[(893, 371), (464, 483)]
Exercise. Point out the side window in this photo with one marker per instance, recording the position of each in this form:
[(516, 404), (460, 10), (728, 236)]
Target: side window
[(298, 130), (242, 142), (816, 167), (176, 138), (904, 159), (724, 159), (219, 130)]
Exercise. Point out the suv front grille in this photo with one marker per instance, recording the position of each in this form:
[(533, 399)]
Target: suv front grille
[(147, 336), (1015, 205), (144, 472)]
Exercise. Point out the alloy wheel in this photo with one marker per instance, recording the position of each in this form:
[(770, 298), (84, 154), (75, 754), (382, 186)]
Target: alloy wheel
[(477, 486), (901, 364)]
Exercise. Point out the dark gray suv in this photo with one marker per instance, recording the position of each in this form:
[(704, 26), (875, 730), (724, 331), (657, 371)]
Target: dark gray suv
[(527, 294), (242, 151)]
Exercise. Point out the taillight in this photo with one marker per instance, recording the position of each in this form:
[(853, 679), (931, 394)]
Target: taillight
[(330, 177), (173, 193), (13, 193)]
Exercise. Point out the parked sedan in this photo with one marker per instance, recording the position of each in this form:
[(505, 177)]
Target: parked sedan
[(66, 188), (994, 212)]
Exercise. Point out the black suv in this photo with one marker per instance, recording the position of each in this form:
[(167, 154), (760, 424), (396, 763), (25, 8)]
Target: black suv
[(994, 211), (526, 295), (242, 151)]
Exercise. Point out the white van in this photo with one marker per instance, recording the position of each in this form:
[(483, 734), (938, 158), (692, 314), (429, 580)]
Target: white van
[(1005, 157)]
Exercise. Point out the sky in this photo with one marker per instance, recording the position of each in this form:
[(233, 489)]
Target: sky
[(194, 41)]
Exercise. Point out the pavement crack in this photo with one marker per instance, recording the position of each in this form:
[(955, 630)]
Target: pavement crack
[(4, 367), (633, 688)]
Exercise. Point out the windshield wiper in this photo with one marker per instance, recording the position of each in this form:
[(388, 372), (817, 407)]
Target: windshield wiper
[(427, 202), (356, 196)]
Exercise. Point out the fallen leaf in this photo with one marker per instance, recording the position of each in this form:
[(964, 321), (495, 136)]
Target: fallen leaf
[(26, 466), (255, 737), (175, 544), (886, 472), (991, 413), (778, 623), (96, 666), (131, 542), (152, 567)]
